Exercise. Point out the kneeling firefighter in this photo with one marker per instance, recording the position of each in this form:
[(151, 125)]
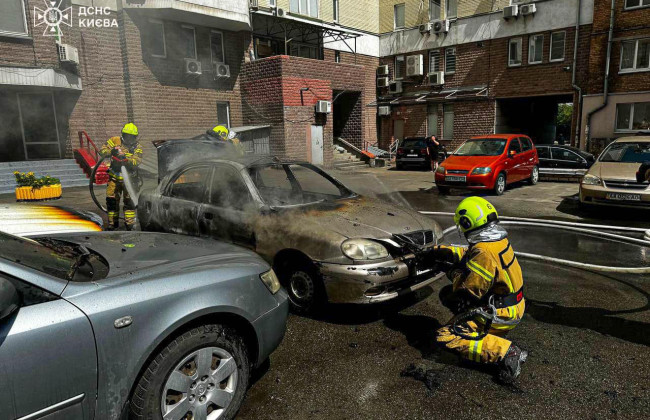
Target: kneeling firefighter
[(486, 296), (222, 133), (125, 151)]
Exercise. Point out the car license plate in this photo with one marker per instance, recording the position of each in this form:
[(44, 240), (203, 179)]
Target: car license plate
[(623, 197), (456, 178), (412, 155)]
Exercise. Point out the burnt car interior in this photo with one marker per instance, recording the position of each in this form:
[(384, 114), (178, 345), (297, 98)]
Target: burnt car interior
[(282, 185)]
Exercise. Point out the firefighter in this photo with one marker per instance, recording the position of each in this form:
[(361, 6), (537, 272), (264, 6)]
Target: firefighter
[(486, 273), (125, 151), (221, 132)]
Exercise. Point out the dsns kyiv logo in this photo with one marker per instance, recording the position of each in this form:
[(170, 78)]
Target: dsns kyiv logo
[(52, 17)]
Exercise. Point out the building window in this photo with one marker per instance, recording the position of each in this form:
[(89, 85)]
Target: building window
[(400, 65), (450, 60), (223, 114), (216, 47), (434, 61), (12, 18), (272, 3), (157, 46), (188, 41), (337, 56), (335, 10), (303, 50), (535, 49), (635, 4), (633, 117), (448, 122), (452, 9), (434, 9), (635, 55), (558, 42), (304, 7), (399, 15), (514, 52)]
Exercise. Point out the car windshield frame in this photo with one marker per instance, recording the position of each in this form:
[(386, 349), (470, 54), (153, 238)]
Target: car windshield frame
[(345, 192), (621, 145), (423, 144), (499, 151)]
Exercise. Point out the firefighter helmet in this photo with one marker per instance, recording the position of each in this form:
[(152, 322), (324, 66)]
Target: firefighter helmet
[(474, 213), (221, 132), (131, 129)]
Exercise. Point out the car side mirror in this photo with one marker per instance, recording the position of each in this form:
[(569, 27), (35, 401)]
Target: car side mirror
[(9, 298), (511, 153)]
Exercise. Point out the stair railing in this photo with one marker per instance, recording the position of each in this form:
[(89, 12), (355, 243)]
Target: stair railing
[(392, 148), (89, 145)]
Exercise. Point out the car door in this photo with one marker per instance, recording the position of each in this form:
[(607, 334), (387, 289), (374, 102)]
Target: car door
[(566, 159), (545, 161), (528, 156), (229, 208), (515, 161), (182, 199), (48, 361)]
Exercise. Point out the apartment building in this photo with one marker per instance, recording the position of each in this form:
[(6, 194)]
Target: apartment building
[(622, 106), (462, 68)]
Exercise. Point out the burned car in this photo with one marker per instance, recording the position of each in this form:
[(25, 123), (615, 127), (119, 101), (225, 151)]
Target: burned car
[(325, 242)]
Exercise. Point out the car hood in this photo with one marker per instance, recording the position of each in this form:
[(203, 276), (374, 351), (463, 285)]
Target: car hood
[(132, 252), (359, 217), (615, 170), (468, 162)]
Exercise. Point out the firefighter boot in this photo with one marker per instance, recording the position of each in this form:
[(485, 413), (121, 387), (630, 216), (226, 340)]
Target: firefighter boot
[(510, 365)]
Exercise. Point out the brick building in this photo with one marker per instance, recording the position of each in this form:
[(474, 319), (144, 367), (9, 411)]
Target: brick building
[(623, 107)]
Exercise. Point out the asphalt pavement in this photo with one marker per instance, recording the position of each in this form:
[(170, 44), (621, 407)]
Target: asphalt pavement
[(588, 333)]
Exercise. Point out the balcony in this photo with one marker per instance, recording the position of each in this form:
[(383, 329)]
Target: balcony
[(231, 15)]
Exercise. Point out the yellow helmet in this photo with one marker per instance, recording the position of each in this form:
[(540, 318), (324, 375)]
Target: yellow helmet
[(473, 213), (221, 131), (130, 128)]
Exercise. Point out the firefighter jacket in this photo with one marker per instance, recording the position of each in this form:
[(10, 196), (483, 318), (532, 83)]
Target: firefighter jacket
[(121, 154)]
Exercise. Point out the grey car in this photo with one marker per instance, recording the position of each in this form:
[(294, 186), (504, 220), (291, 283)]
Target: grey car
[(327, 243), (132, 325)]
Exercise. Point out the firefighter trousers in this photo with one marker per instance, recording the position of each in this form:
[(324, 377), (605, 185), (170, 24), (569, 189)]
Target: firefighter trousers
[(114, 190), (490, 349)]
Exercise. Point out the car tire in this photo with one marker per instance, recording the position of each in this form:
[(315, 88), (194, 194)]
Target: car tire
[(177, 365), (305, 289), (534, 176), (500, 184), (399, 166), (443, 190)]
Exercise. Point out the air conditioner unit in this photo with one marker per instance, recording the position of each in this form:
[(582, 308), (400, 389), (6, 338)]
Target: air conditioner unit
[(510, 12), (221, 71), (527, 9), (254, 5), (193, 67), (383, 111), (68, 53), (280, 12), (395, 87), (436, 78), (323, 107), (440, 26), (383, 82), (382, 71), (425, 28), (414, 65)]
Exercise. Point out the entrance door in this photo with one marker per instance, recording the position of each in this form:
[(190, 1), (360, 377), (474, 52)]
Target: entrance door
[(317, 144), (398, 130), (40, 130), (432, 120)]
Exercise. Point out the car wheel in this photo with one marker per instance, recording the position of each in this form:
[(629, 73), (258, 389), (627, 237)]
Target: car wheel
[(443, 190), (306, 291), (203, 371), (500, 184), (534, 176), (399, 166)]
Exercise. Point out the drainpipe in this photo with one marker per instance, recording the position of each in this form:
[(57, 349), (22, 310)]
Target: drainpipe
[(573, 76), (606, 82)]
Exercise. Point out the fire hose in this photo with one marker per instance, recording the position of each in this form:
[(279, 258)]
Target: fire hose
[(128, 184)]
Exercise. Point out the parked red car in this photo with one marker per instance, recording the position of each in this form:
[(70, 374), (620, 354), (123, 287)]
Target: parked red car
[(489, 163)]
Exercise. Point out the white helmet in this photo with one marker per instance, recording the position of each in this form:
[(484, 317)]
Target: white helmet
[(232, 135)]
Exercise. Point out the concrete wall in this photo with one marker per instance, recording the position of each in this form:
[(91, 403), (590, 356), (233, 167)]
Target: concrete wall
[(603, 124)]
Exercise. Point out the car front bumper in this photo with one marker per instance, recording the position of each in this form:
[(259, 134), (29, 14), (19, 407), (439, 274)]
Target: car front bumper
[(478, 182), (374, 282), (271, 327), (412, 160), (597, 195)]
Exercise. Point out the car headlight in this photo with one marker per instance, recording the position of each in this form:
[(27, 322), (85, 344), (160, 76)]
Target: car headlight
[(481, 171), (363, 249), (441, 169), (271, 281), (591, 180)]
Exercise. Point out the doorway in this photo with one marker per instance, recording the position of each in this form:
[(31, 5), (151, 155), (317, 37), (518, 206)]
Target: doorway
[(40, 131), (398, 130), (317, 144)]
